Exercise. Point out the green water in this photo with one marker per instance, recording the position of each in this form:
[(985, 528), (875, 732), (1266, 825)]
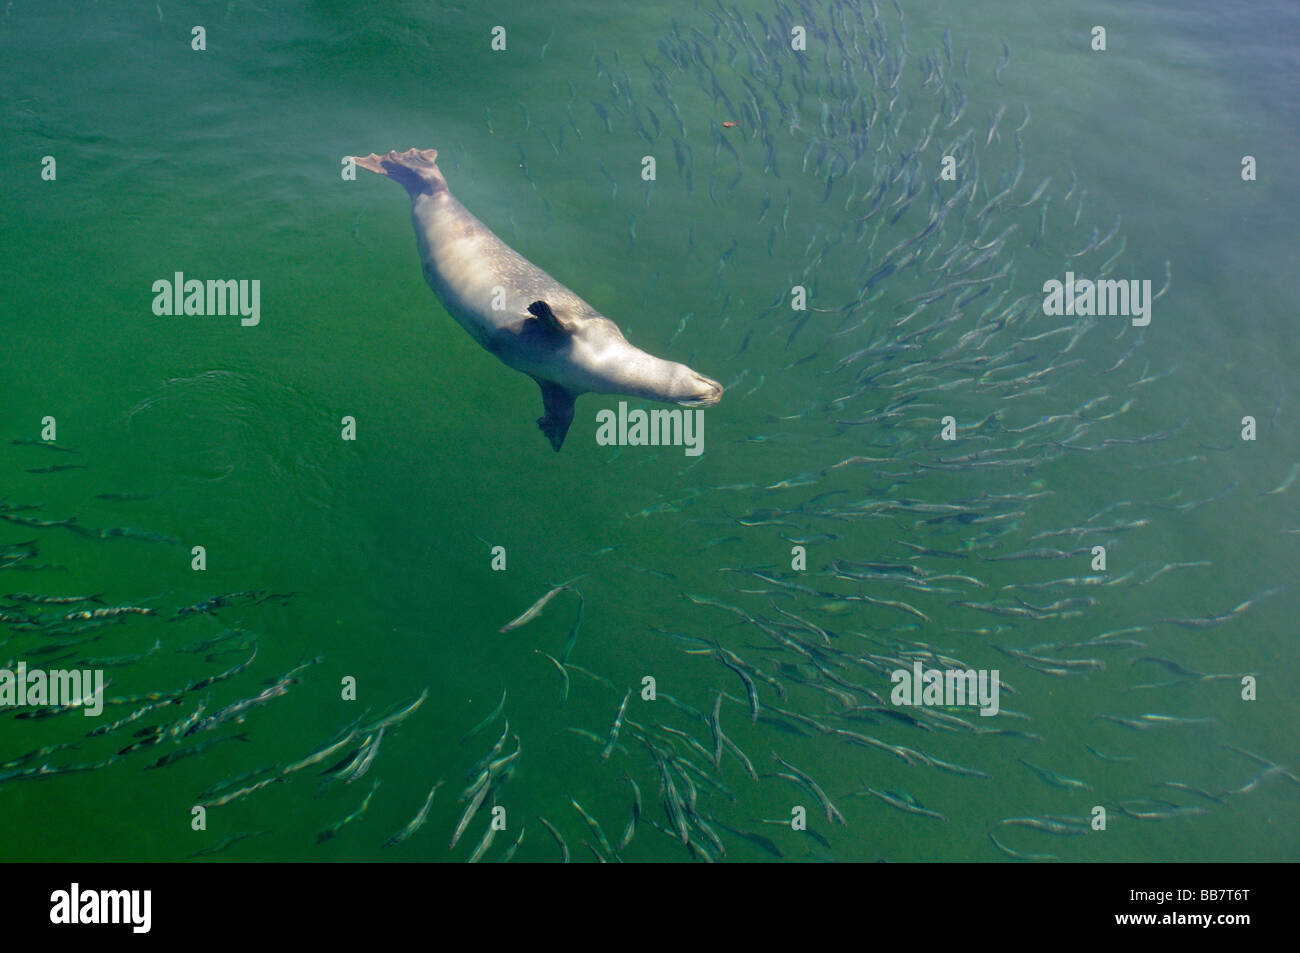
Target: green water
[(225, 163)]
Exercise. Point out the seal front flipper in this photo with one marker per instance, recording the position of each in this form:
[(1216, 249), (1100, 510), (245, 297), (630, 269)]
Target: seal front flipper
[(543, 313), (559, 412)]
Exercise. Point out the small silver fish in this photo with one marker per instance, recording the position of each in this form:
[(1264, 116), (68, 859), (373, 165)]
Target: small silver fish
[(536, 608)]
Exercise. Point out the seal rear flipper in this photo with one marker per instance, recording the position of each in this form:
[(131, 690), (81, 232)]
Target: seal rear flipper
[(559, 412), (416, 169)]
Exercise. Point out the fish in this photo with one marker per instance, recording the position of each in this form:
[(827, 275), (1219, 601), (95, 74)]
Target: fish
[(1143, 722), (1285, 485), (238, 708), (192, 750), (133, 717), (487, 783), (252, 788), (508, 854), (400, 715), (725, 657), (559, 840), (903, 802), (614, 730), (483, 763), (958, 769), (1106, 757), (564, 674), (107, 612), (832, 812), (332, 831), (1054, 779), (1192, 789), (594, 825), (180, 727), (230, 673), (1271, 771), (572, 641), (788, 825), (228, 783), (765, 844), (1017, 854), (152, 736), (366, 760), (591, 675), (993, 128), (1048, 825), (48, 445), (533, 611), (119, 532), (37, 599), (226, 844), (1173, 666), (202, 645), (488, 837), (630, 830), (1152, 810), (213, 603), (496, 712), (715, 724)]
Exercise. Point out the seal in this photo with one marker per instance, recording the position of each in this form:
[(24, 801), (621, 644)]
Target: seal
[(521, 314)]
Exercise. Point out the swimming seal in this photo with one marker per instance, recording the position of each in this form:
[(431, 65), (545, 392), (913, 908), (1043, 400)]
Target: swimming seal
[(521, 314)]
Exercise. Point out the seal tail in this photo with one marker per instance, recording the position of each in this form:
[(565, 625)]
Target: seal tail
[(416, 169)]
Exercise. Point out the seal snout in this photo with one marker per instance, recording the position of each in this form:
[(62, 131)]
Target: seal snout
[(707, 392)]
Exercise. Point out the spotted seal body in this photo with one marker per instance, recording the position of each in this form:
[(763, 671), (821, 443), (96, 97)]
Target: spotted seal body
[(521, 314)]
